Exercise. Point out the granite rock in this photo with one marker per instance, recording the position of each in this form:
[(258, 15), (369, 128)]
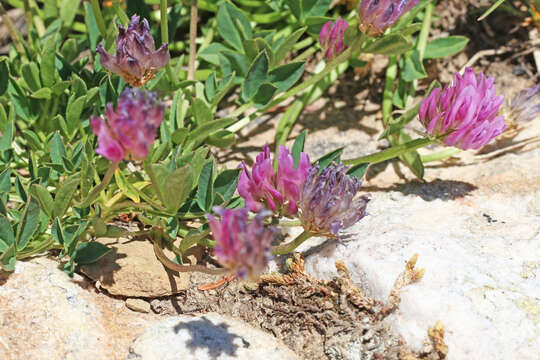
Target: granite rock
[(208, 336)]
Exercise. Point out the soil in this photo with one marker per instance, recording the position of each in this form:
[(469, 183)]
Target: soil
[(317, 319)]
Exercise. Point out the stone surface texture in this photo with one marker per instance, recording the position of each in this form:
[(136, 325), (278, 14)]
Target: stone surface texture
[(475, 224), (132, 269), (44, 314), (208, 336)]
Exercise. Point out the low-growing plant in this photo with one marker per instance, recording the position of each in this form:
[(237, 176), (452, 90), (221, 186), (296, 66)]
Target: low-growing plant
[(103, 112)]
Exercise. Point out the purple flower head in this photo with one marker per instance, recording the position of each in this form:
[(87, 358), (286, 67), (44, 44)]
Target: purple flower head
[(523, 106), (242, 245), (279, 191), (136, 59), (378, 15), (331, 38), (465, 112), (128, 132), (329, 202)]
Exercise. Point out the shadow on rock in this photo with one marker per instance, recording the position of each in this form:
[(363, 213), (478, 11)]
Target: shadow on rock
[(436, 189), (216, 338)]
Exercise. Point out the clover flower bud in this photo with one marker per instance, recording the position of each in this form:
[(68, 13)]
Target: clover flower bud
[(131, 129), (136, 59), (331, 38), (378, 15), (329, 202), (523, 106), (242, 245), (465, 112), (279, 192)]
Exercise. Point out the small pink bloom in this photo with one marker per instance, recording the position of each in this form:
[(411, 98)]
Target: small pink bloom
[(136, 59), (279, 192), (242, 245), (131, 129), (465, 112), (378, 15), (329, 201), (331, 38)]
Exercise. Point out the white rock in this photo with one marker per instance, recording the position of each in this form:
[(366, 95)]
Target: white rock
[(481, 252), (208, 336)]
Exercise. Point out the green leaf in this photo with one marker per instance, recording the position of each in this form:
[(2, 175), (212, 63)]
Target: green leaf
[(224, 87), (201, 112), (57, 149), (43, 93), (30, 74), (296, 7), (201, 132), (412, 158), (315, 7), (413, 68), (4, 75), (29, 223), (325, 160), (256, 76), (232, 24), (446, 46), (89, 252), (48, 66), (8, 259), (265, 93), (205, 190), (222, 139), (7, 237), (64, 195), (115, 231), (358, 171), (177, 187), (68, 10), (225, 184), (45, 199), (73, 113), (7, 137), (3, 118), (287, 46), (393, 44), (5, 182), (236, 62), (19, 188), (298, 147), (56, 232), (283, 77), (125, 186)]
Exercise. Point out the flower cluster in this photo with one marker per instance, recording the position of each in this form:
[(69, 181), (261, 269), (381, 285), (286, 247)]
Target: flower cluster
[(277, 191), (523, 106), (131, 129), (464, 114), (242, 245), (378, 15), (331, 38), (136, 59), (329, 202)]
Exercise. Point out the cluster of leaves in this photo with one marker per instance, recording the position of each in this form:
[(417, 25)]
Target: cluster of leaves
[(251, 53)]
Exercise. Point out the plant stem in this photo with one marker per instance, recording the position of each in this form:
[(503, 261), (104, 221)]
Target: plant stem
[(288, 247), (15, 35), (344, 56), (192, 39), (120, 13), (164, 20), (316, 78), (392, 152), (99, 18), (391, 74), (440, 155), (93, 194), (184, 268), (290, 223)]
